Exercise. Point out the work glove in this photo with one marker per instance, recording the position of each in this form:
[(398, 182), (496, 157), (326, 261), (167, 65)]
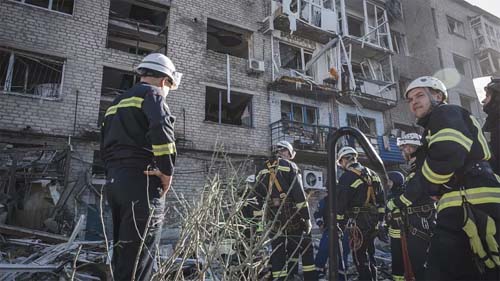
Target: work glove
[(382, 232), (470, 227), (391, 206)]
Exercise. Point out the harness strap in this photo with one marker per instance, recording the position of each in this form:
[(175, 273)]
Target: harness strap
[(370, 192), (272, 177)]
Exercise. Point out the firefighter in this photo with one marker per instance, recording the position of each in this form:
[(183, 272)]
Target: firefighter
[(491, 106), (279, 183), (414, 220), (322, 255), (138, 148), (452, 166), (360, 210), (395, 184)]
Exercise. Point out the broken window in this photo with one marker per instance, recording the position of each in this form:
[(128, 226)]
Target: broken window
[(29, 73), (364, 124), (377, 25), (355, 26), (299, 113), (137, 28), (114, 82), (63, 6), (460, 64), (236, 112), (493, 36), (399, 43), (455, 27), (227, 39), (489, 63), (293, 57), (311, 11)]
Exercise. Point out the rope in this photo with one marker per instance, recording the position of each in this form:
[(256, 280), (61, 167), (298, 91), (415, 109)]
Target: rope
[(355, 239)]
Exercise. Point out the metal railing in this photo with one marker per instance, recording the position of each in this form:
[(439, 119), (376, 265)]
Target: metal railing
[(301, 135)]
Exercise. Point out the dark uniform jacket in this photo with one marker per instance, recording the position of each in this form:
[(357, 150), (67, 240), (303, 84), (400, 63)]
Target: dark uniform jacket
[(453, 148), (413, 196), (353, 192), (492, 125), (138, 130), (292, 196)]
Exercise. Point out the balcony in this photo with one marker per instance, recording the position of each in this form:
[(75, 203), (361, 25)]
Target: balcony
[(486, 38), (301, 87), (307, 19), (486, 35), (372, 94), (308, 140), (366, 27)]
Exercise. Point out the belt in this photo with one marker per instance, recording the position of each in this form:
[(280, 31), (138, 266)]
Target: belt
[(357, 210), (420, 234), (420, 209)]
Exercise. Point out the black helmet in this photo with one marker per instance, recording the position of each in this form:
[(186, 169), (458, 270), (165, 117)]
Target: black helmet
[(493, 86), (396, 177)]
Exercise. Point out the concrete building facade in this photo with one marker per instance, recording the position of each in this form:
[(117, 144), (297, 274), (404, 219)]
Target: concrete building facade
[(255, 72)]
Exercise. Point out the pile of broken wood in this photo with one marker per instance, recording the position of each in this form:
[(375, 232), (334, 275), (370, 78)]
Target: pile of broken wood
[(27, 254)]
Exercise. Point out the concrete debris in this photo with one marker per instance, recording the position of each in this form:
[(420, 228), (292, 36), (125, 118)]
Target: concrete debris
[(43, 255)]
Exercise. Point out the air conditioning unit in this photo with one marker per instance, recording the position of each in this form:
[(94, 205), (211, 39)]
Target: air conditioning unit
[(255, 65), (313, 179)]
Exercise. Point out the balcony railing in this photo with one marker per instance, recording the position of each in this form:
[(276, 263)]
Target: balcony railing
[(301, 135)]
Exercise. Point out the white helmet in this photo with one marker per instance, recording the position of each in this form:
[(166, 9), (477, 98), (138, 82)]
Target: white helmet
[(411, 138), (346, 150), (286, 145), (427, 82), (161, 63)]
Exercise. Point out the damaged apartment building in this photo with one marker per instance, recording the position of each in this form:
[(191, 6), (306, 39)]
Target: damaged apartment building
[(332, 66), (63, 62), (255, 72)]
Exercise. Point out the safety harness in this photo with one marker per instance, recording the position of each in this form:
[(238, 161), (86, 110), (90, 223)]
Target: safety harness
[(273, 179), (355, 234), (367, 179), (288, 211)]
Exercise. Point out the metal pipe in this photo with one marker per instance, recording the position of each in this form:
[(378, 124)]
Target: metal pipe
[(378, 166), (76, 112)]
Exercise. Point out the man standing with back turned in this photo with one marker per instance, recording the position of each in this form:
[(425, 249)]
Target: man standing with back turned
[(138, 148)]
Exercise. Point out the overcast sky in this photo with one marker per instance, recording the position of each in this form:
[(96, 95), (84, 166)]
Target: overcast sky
[(492, 6)]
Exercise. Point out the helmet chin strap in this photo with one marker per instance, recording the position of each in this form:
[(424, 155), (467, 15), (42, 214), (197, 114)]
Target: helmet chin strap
[(434, 102)]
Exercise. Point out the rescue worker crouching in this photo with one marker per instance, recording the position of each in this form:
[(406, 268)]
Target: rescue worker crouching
[(279, 187), (491, 106), (412, 216), (360, 210), (138, 149), (452, 166)]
